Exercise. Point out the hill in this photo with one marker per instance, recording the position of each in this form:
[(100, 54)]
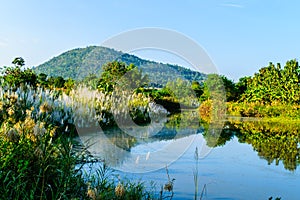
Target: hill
[(80, 62)]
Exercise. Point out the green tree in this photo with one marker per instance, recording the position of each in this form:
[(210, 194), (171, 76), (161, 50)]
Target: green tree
[(274, 84), (180, 88), (16, 75), (242, 85), (91, 81), (19, 62), (42, 79), (56, 82), (213, 88), (197, 88), (69, 85), (59, 82), (121, 75), (230, 89)]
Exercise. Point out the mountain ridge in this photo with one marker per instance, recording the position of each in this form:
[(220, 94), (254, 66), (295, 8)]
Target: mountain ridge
[(80, 62)]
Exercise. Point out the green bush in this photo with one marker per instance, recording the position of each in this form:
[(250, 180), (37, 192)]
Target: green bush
[(263, 110)]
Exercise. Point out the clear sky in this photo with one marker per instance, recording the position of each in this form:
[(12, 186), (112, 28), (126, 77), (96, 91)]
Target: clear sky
[(240, 36)]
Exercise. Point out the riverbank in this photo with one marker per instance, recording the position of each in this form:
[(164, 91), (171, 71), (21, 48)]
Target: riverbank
[(272, 110)]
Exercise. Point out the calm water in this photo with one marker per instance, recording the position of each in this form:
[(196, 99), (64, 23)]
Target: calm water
[(247, 160)]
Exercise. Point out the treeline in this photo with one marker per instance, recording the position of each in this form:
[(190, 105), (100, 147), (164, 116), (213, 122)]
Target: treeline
[(274, 84), (17, 75), (271, 92)]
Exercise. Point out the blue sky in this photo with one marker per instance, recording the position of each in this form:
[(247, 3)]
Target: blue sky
[(240, 36)]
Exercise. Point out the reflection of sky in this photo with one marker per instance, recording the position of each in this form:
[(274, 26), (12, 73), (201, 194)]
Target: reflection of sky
[(150, 147), (233, 171)]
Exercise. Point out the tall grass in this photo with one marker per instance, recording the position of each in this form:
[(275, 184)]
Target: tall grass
[(38, 159), (39, 168)]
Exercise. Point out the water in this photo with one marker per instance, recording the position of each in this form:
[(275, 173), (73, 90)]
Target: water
[(243, 164)]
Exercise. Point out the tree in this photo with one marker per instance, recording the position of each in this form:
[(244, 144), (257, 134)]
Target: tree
[(42, 79), (180, 88), (69, 85), (274, 84), (119, 74), (16, 75), (242, 85), (19, 62), (91, 81), (197, 88), (214, 87), (230, 89), (59, 82)]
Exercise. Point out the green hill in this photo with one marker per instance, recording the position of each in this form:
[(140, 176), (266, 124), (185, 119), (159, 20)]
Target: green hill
[(80, 62)]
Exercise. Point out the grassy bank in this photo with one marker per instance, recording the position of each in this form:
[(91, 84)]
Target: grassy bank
[(38, 158), (272, 110)]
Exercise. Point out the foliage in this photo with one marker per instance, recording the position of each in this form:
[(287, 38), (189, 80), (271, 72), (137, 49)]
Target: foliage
[(273, 84), (197, 88), (35, 164), (181, 91), (274, 109), (218, 87), (38, 159), (163, 97), (176, 95), (91, 81), (116, 74), (185, 120), (272, 92), (16, 75), (241, 86)]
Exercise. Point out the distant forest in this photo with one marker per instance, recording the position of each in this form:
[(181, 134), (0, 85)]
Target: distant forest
[(82, 62)]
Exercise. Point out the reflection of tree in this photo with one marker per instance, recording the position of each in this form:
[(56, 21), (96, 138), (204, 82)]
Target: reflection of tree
[(215, 136), (273, 141), (121, 139), (114, 144), (185, 119)]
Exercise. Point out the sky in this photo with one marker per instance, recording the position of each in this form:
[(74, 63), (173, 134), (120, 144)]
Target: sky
[(239, 36)]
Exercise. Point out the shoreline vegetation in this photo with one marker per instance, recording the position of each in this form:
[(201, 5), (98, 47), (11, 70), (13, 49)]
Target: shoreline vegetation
[(40, 116), (273, 92)]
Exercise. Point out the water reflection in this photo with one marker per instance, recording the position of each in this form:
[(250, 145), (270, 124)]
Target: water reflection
[(273, 141), (145, 148), (216, 136), (164, 141)]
